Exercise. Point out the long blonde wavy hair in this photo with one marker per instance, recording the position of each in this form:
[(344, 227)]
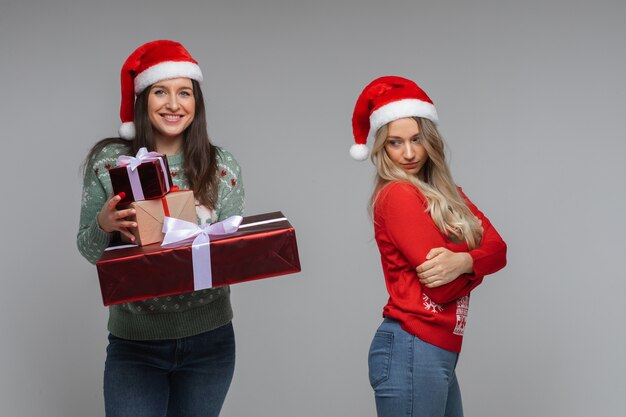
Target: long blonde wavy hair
[(445, 205)]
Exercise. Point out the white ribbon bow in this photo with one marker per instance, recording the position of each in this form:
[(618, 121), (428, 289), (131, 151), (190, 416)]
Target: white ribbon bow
[(180, 233), (134, 161)]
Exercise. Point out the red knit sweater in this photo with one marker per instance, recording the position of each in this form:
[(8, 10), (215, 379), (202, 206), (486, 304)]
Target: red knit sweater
[(405, 233)]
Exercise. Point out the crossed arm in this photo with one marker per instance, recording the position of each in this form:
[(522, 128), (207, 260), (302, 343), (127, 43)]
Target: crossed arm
[(446, 275)]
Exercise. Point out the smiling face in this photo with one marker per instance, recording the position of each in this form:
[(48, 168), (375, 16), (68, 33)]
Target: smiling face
[(403, 146), (171, 109)]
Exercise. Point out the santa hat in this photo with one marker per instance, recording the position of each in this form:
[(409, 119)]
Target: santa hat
[(384, 100), (152, 62)]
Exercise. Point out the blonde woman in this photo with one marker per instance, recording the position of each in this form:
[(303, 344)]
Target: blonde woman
[(435, 248)]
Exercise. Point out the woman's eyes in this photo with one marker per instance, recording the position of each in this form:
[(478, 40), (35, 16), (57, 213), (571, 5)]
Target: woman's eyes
[(183, 93), (397, 142)]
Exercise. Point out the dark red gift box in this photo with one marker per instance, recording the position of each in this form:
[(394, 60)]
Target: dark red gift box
[(154, 182), (256, 252)]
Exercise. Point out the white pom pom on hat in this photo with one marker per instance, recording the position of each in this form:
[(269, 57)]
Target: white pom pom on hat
[(127, 130), (151, 62), (382, 101), (359, 152)]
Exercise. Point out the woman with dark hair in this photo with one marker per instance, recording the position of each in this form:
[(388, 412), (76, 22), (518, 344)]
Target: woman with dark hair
[(174, 355), (435, 248)]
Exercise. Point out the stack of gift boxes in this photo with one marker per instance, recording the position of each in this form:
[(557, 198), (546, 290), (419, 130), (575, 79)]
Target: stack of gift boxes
[(193, 257)]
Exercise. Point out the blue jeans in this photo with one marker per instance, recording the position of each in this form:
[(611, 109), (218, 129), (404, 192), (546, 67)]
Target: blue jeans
[(175, 377), (412, 378)]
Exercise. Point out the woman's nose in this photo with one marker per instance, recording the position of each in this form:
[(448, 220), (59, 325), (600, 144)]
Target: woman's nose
[(408, 153), (172, 103)]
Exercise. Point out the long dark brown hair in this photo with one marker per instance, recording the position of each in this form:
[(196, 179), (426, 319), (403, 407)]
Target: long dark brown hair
[(199, 154)]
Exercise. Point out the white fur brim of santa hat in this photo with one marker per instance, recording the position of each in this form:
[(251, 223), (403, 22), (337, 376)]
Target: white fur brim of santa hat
[(152, 62), (166, 71), (382, 101)]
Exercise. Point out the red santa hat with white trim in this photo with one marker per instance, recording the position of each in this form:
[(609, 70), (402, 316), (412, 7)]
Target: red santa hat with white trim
[(152, 62), (384, 100)]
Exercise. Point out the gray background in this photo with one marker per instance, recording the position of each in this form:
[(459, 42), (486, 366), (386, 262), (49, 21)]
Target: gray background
[(531, 101)]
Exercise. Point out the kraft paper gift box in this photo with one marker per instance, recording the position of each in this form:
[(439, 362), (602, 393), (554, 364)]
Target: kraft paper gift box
[(150, 213), (264, 246), (142, 177)]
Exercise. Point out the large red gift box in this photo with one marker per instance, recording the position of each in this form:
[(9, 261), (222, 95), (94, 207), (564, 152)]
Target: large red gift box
[(263, 250)]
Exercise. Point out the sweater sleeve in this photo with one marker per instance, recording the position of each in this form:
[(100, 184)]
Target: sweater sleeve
[(490, 255), (413, 232), (91, 239), (231, 192)]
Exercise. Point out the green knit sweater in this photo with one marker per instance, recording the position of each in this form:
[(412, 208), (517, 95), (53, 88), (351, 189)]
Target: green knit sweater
[(170, 317)]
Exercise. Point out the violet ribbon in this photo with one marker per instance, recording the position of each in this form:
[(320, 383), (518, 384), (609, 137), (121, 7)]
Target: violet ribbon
[(132, 162), (181, 233)]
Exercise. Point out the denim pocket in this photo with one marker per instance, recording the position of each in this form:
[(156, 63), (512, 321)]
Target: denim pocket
[(379, 359)]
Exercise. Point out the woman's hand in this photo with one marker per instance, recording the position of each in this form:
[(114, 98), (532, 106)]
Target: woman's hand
[(111, 219), (443, 266)]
